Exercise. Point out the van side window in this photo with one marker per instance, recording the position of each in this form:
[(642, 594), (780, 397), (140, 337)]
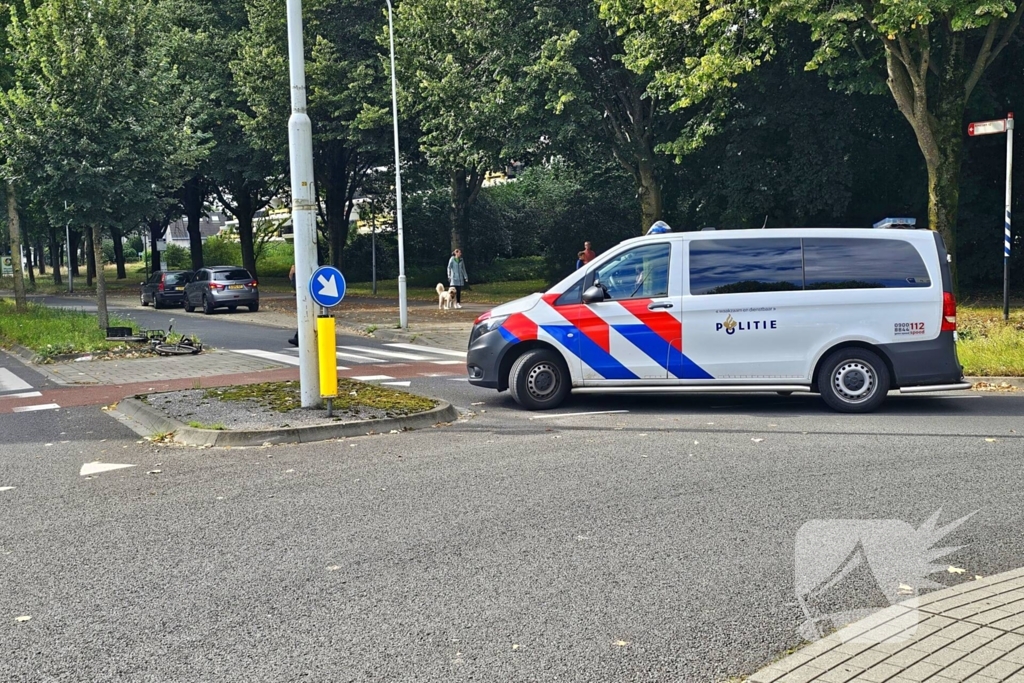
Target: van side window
[(640, 273), (573, 295), (757, 265), (862, 264)]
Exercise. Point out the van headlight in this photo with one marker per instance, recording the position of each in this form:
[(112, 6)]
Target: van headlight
[(487, 325)]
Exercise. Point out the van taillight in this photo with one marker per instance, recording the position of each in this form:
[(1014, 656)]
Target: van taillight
[(948, 312)]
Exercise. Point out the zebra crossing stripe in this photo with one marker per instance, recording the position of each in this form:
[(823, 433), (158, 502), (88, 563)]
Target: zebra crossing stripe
[(27, 394), (11, 382), (31, 409)]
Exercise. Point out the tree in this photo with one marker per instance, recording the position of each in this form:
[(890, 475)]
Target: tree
[(94, 116), (463, 81), (14, 230), (347, 97), (931, 57)]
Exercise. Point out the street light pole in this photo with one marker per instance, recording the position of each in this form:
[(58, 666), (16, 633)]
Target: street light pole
[(403, 303), (300, 143)]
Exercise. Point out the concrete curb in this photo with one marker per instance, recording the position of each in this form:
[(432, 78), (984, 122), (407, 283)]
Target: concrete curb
[(944, 636), (147, 421), (1012, 381)]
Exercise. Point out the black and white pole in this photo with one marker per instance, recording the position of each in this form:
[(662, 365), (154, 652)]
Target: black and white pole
[(300, 144), (1006, 226)]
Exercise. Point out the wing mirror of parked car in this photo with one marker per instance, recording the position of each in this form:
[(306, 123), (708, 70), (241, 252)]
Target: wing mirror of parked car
[(594, 295)]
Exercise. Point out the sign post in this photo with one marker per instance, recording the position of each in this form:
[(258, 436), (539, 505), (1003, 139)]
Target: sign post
[(990, 128), (327, 288), (300, 147)]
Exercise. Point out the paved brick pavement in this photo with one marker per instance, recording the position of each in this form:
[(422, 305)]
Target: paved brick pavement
[(972, 633), (153, 369)]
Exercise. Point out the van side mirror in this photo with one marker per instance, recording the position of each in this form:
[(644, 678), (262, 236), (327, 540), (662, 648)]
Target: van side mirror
[(594, 295)]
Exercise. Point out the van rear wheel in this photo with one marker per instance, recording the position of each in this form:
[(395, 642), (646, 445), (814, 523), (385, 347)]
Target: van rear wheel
[(853, 380), (539, 380)]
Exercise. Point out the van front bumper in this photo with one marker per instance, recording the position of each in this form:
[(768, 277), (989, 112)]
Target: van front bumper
[(483, 360)]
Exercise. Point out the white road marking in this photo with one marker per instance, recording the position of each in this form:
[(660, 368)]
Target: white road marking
[(30, 409), (269, 355), (429, 349), (596, 412), (27, 394), (372, 378), (448, 362), (11, 382), (458, 379), (277, 357), (397, 384), (6, 488), (359, 359), (97, 467), (382, 352), (435, 374)]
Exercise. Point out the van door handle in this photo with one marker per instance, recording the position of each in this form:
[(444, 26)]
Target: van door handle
[(659, 304)]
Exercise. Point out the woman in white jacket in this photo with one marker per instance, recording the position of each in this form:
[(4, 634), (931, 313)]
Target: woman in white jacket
[(457, 277)]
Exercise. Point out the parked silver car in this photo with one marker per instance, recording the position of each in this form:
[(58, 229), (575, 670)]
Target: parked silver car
[(222, 287)]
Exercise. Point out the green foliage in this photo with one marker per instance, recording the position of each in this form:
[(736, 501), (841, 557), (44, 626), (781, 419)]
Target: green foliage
[(218, 251), (95, 96), (53, 332), (178, 258), (276, 259)]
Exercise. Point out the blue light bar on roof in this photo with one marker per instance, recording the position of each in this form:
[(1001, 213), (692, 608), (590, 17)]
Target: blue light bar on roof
[(895, 223)]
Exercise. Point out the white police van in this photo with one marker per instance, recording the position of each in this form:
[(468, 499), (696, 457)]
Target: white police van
[(847, 313)]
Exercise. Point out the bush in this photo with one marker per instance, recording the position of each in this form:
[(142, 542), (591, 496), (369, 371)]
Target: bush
[(275, 260), (135, 242), (178, 258), (108, 251), (130, 254), (218, 251)]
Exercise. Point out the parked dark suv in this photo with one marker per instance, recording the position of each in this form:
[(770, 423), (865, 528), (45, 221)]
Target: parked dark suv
[(220, 287), (165, 288)]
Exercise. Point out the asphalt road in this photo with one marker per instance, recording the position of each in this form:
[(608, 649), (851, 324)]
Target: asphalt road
[(657, 544)]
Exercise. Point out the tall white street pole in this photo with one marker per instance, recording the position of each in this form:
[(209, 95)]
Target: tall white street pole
[(403, 303), (300, 143), (1006, 227)]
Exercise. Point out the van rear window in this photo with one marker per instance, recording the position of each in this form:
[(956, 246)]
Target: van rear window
[(732, 266), (862, 264), (779, 265)]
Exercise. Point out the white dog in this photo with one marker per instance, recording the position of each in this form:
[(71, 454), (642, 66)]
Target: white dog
[(445, 297)]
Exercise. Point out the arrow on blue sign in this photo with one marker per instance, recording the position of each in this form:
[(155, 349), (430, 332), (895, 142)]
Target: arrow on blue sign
[(327, 286)]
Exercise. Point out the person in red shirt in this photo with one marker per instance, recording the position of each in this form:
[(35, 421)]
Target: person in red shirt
[(588, 253)]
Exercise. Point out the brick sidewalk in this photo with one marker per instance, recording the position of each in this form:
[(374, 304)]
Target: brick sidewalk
[(158, 369), (972, 633)]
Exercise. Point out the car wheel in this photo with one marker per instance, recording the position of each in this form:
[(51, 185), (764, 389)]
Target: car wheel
[(853, 380), (539, 380), (157, 303), (207, 306), (188, 305), (142, 300), (254, 307)]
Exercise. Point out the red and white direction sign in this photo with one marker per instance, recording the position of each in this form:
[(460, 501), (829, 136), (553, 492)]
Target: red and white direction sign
[(986, 127)]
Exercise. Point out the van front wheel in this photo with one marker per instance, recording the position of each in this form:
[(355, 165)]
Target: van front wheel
[(853, 380), (539, 380)]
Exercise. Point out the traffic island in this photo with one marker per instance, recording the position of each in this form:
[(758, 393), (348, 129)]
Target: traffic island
[(271, 412)]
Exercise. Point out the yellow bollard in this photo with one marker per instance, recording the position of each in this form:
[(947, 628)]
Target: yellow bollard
[(328, 360)]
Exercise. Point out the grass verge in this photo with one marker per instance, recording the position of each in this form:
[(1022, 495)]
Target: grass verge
[(489, 293), (352, 396), (52, 332), (988, 346)]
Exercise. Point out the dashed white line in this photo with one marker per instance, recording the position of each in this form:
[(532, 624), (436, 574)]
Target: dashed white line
[(458, 379), (98, 467), (372, 378), (6, 488), (596, 412), (382, 352), (11, 382), (30, 409), (448, 362), (398, 384), (429, 349), (27, 394), (359, 359)]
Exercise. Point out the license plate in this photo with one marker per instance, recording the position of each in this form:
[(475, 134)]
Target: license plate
[(179, 289), (236, 286)]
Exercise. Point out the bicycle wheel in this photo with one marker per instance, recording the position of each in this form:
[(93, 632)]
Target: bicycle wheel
[(174, 350)]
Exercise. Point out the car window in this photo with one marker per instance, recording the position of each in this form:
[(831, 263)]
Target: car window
[(862, 264), (235, 274), (573, 295), (154, 278), (641, 272), (200, 276), (176, 278), (727, 266)]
